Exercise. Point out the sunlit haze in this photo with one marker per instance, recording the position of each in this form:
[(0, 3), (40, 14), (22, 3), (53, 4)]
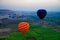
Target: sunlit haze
[(50, 5)]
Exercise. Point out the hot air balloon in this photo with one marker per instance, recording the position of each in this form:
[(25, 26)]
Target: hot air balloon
[(23, 27), (41, 13)]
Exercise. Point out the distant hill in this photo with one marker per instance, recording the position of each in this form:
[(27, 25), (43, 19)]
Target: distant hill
[(6, 11)]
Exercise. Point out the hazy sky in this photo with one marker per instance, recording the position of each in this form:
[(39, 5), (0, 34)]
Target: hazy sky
[(50, 5)]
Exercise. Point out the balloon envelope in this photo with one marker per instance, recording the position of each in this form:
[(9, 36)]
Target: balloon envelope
[(41, 13), (23, 27)]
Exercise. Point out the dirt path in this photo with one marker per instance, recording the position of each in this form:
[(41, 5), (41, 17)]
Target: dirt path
[(56, 29), (7, 31)]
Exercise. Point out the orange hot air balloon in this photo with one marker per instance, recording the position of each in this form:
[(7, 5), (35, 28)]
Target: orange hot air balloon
[(23, 27)]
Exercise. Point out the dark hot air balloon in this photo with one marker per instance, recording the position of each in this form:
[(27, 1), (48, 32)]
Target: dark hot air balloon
[(41, 13)]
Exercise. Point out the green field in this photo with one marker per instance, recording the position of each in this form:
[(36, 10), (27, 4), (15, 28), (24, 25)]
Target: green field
[(38, 32)]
